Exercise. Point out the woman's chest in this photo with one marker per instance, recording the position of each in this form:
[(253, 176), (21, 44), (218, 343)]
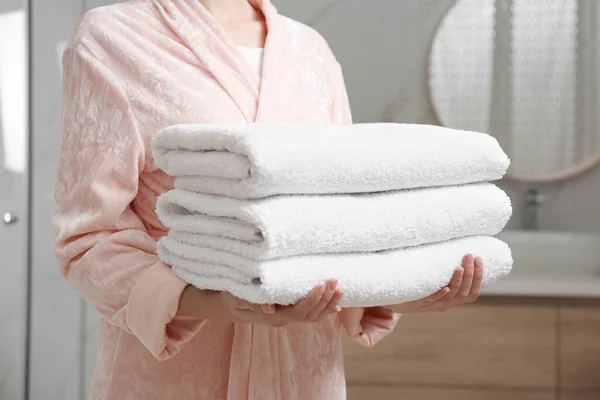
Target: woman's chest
[(168, 90)]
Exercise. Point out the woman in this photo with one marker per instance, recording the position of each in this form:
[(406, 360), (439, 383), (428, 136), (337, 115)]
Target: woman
[(130, 70)]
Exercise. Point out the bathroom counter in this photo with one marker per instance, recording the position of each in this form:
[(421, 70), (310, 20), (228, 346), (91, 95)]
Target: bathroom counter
[(551, 264), (555, 285)]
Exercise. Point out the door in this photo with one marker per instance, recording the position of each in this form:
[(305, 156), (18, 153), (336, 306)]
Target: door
[(13, 197), (56, 330)]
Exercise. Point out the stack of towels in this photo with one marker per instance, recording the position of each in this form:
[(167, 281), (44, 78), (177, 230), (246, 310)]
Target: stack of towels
[(266, 212)]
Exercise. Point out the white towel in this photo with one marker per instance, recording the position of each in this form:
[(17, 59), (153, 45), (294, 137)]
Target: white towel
[(367, 279), (281, 226), (259, 160)]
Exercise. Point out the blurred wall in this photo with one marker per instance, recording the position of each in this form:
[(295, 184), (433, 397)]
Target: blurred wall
[(383, 47), (11, 5)]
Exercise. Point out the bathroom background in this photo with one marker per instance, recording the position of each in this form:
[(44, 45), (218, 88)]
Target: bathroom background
[(536, 336)]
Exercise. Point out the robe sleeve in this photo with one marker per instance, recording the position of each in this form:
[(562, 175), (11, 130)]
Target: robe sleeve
[(101, 244), (368, 325)]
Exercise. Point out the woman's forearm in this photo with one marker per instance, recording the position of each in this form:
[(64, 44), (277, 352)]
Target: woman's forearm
[(201, 304)]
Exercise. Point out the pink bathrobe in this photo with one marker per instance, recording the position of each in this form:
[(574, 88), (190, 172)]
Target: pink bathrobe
[(130, 70)]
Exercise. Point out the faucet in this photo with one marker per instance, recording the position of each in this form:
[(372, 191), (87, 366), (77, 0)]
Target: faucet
[(533, 201)]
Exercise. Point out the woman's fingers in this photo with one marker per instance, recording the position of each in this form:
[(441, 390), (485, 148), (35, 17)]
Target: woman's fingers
[(267, 308), (263, 308), (477, 280), (455, 284), (468, 265), (332, 306), (330, 289), (320, 301), (434, 298), (301, 309)]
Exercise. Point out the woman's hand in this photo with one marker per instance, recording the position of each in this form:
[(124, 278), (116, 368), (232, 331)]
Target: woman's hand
[(320, 302), (464, 287)]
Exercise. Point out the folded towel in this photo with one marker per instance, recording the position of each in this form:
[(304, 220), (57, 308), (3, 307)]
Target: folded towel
[(367, 279), (259, 160), (282, 226)]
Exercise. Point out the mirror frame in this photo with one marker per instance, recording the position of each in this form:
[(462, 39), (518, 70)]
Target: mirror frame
[(579, 169)]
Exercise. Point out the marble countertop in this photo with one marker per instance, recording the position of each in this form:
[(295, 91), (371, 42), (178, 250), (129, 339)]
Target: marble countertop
[(546, 285)]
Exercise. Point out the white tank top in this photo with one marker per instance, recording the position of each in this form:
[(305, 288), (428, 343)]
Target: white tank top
[(254, 56)]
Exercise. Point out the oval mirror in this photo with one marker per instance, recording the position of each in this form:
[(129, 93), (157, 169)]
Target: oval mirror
[(525, 71)]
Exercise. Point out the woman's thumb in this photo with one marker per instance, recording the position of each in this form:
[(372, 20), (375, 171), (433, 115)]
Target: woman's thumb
[(267, 308)]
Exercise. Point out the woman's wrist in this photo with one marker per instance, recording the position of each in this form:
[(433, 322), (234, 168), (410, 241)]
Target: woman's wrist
[(200, 304), (397, 308)]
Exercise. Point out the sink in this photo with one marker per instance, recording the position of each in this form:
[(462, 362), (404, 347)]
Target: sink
[(548, 263)]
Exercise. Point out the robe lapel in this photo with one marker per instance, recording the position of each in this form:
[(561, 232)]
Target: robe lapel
[(282, 61), (276, 62), (215, 51)]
